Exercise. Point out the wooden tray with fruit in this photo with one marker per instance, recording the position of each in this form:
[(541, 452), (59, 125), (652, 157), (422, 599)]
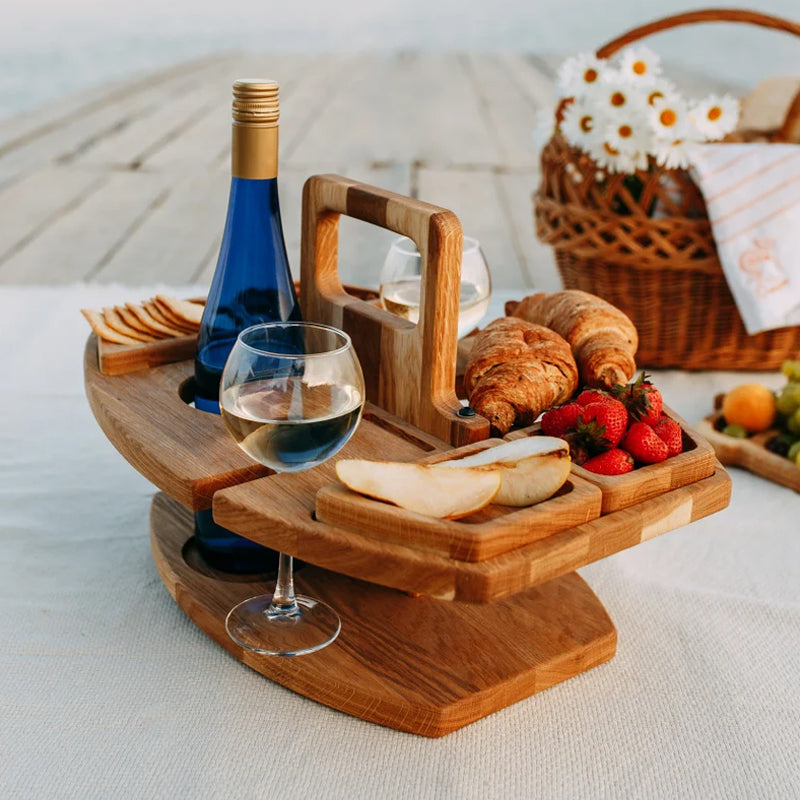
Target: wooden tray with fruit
[(759, 430), (436, 599)]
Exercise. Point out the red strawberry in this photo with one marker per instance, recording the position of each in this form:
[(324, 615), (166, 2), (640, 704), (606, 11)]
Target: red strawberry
[(642, 399), (642, 442), (612, 462), (670, 433), (560, 420), (592, 396), (604, 423)]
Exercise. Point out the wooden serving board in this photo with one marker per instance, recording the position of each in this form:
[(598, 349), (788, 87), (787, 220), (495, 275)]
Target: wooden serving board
[(489, 532), (412, 663), (750, 453), (697, 461), (119, 359)]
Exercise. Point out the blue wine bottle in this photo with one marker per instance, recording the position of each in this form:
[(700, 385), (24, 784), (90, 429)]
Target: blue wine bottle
[(252, 283)]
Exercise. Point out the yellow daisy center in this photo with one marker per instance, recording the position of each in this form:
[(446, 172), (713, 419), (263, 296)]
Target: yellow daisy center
[(667, 117), (586, 124), (610, 150), (653, 96), (625, 131), (639, 67), (714, 113), (618, 99), (590, 76)]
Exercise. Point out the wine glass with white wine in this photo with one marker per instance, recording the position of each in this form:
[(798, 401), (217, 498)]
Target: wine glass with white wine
[(291, 396), (401, 281)]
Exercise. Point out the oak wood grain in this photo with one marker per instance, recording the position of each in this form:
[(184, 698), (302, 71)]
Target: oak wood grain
[(392, 349), (750, 454), (411, 663), (485, 534)]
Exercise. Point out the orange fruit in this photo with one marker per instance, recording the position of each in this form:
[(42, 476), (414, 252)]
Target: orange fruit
[(750, 405)]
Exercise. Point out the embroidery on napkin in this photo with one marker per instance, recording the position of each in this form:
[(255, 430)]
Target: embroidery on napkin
[(752, 193)]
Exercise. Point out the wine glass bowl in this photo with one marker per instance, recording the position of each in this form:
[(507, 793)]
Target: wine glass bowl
[(291, 395), (401, 282)]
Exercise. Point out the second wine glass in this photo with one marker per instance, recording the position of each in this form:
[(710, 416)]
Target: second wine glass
[(291, 396), (401, 283)]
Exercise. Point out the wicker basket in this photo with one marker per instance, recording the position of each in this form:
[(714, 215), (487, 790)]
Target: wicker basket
[(651, 252)]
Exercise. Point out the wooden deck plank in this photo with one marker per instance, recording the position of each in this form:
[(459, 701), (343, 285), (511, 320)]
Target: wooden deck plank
[(408, 107), (475, 197), (175, 238), (64, 143), (77, 244), (34, 202)]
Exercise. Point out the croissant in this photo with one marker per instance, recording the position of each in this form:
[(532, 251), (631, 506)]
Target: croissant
[(603, 339), (516, 370)]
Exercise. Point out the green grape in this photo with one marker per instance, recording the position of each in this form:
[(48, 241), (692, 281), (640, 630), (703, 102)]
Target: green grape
[(737, 431), (788, 401), (791, 369), (793, 423), (794, 451)]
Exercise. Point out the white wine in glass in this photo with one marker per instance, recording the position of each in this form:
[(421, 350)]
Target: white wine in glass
[(291, 396), (401, 281)]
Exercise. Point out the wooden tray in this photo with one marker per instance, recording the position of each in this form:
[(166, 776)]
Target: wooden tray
[(411, 663), (750, 453), (480, 536), (428, 672), (697, 461)]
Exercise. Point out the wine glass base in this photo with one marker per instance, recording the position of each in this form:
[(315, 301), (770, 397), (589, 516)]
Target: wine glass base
[(254, 626)]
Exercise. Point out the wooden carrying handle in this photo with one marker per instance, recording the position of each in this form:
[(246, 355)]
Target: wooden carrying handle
[(409, 369), (690, 17)]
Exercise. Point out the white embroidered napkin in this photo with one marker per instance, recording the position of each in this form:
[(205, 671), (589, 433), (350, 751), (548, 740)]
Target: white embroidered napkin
[(752, 192)]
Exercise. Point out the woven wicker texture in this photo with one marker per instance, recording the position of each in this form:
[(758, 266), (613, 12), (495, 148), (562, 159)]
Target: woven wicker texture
[(644, 243)]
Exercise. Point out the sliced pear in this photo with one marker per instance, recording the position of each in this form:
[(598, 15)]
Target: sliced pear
[(426, 489), (532, 469)]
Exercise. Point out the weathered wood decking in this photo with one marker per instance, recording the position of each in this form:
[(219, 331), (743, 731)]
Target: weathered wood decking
[(128, 182)]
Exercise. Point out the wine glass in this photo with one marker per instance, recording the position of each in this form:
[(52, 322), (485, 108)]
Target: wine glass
[(401, 279), (291, 395)]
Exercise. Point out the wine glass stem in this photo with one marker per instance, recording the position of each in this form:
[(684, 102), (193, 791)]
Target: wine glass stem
[(284, 602)]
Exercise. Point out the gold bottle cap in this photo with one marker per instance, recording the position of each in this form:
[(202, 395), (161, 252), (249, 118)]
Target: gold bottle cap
[(255, 102)]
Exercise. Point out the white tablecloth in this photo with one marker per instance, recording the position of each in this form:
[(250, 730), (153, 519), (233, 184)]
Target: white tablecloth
[(108, 690)]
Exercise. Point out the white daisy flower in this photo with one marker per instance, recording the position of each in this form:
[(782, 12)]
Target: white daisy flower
[(669, 118), (612, 160), (615, 97), (639, 65), (715, 116), (629, 134), (659, 90), (672, 154), (578, 72), (580, 125)]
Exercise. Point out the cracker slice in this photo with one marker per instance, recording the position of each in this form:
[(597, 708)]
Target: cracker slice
[(173, 318), (153, 310), (185, 310), (98, 325), (130, 319), (116, 323), (143, 315)]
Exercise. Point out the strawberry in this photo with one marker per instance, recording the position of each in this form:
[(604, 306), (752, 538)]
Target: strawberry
[(560, 420), (604, 423), (612, 462), (592, 396), (670, 433), (641, 398), (643, 443)]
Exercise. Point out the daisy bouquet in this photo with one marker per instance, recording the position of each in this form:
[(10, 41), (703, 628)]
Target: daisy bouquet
[(626, 116)]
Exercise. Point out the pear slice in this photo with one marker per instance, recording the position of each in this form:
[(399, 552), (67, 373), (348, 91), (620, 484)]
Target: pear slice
[(426, 489), (532, 469)]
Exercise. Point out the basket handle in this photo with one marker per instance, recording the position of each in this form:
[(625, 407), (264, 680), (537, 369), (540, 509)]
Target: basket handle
[(703, 15), (790, 130)]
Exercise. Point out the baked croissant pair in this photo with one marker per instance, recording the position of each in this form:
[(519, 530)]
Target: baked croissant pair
[(535, 357)]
